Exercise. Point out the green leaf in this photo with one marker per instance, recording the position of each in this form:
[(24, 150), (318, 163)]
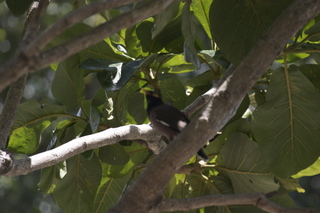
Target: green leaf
[(138, 154), (312, 72), (312, 170), (316, 57), (68, 85), (169, 38), (241, 109), (236, 25), (121, 100), (173, 91), (30, 121), (314, 32), (94, 119), (136, 107), (240, 160), (77, 189), (109, 193), (112, 76), (164, 17), (174, 64), (18, 7), (133, 46), (49, 179), (201, 11), (286, 126), (99, 98), (114, 154), (189, 32)]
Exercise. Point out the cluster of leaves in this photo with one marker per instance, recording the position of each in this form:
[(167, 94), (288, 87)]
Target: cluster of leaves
[(272, 137)]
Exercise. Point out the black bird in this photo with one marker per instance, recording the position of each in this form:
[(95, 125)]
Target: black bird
[(166, 119)]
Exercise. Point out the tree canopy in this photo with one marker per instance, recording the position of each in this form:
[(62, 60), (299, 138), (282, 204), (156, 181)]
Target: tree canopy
[(247, 70)]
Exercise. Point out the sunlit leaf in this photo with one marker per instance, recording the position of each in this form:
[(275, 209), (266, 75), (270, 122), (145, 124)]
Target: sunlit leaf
[(30, 121), (312, 170), (313, 32), (201, 11)]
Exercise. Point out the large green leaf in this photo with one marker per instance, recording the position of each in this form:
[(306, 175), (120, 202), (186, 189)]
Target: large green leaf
[(240, 160), (287, 125), (114, 154), (68, 85), (236, 25), (109, 193), (30, 121), (76, 191)]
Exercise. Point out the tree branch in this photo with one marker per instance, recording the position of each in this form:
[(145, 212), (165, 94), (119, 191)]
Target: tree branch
[(15, 92), (215, 115), (31, 58), (257, 199), (80, 145)]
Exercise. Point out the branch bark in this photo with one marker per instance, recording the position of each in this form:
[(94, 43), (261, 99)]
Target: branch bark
[(31, 58), (216, 113), (16, 90), (80, 145), (257, 199)]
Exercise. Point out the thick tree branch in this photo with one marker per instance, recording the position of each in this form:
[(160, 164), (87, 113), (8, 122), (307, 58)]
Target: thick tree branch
[(216, 113), (258, 199), (203, 99), (80, 145), (74, 17), (31, 58), (15, 92)]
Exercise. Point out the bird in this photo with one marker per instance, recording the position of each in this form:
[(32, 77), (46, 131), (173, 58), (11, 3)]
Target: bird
[(166, 119)]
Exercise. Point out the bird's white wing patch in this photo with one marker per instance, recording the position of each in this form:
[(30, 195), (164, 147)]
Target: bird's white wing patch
[(163, 122), (182, 124)]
